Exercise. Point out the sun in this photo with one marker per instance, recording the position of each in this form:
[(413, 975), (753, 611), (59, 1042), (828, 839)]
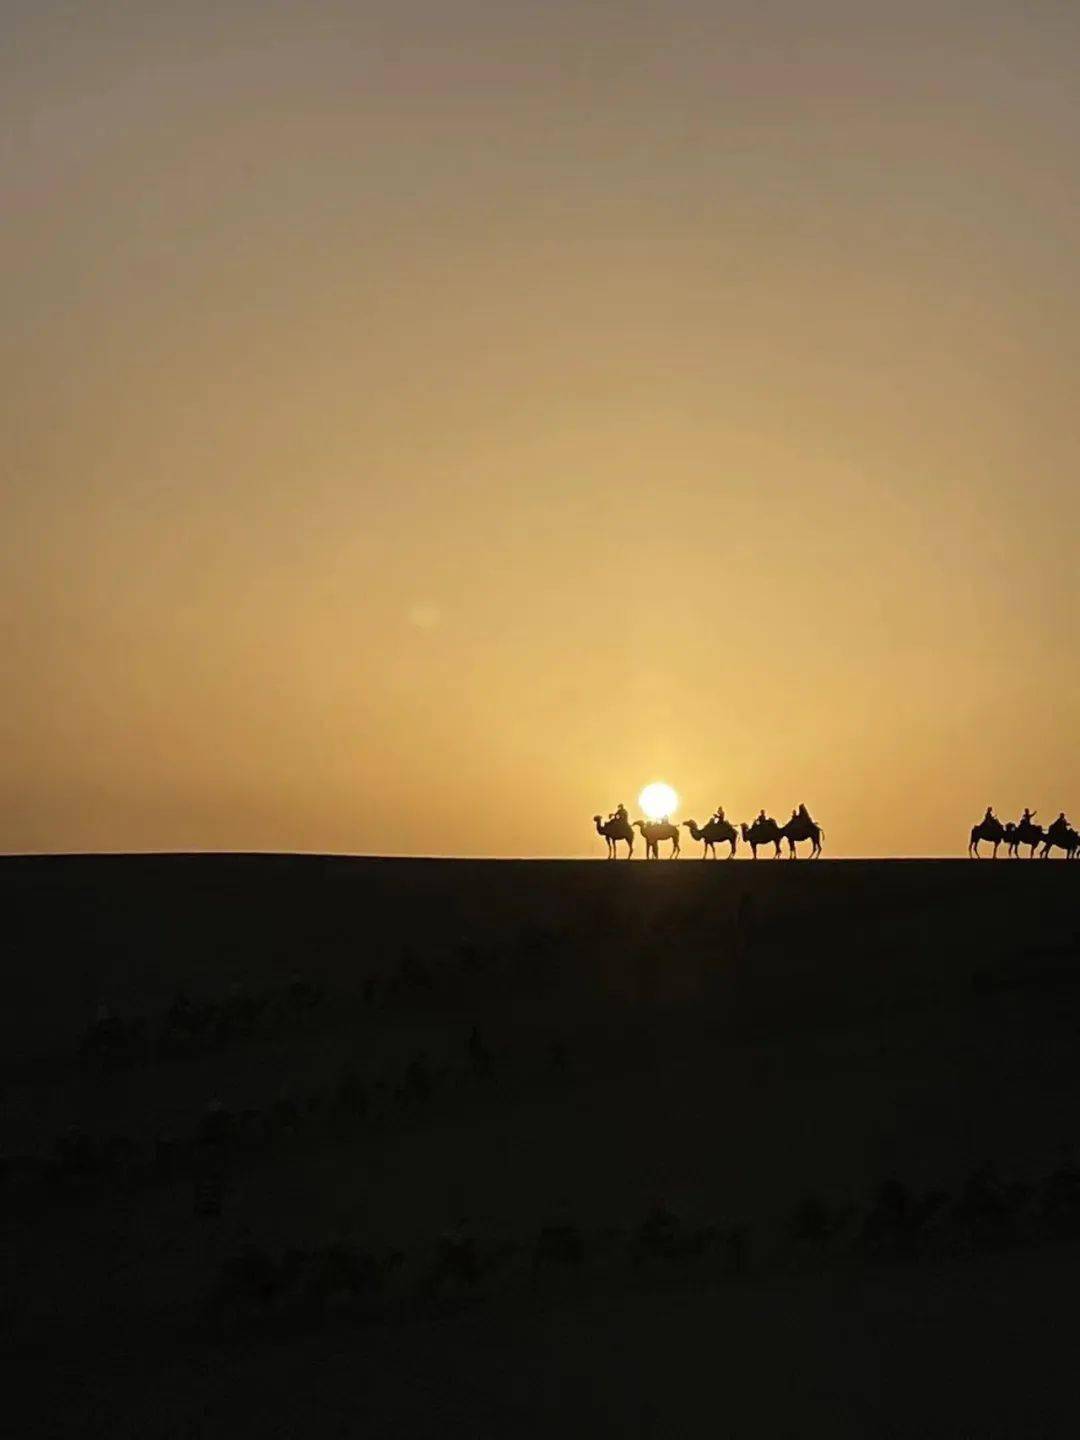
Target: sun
[(658, 800)]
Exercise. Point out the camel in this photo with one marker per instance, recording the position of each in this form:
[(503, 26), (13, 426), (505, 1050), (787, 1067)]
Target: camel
[(654, 831), (1064, 837), (613, 831), (798, 829), (990, 830), (715, 830), (762, 832), (1023, 833)]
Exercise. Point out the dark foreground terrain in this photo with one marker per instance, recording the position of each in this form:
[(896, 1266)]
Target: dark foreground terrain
[(309, 1146)]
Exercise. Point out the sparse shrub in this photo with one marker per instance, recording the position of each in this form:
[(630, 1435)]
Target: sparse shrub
[(898, 1224), (349, 1101), (814, 1222), (457, 1261), (481, 1062), (988, 1212), (560, 1245), (1059, 1203), (663, 1236), (416, 1084)]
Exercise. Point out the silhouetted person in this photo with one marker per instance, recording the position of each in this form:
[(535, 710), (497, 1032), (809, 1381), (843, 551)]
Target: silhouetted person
[(989, 818), (804, 815), (1028, 816), (718, 815), (761, 818), (621, 813)]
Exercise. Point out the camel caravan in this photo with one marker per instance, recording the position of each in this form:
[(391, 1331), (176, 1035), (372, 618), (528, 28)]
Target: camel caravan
[(717, 831), (1016, 834)]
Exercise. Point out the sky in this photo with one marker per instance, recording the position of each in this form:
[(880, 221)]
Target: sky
[(426, 422)]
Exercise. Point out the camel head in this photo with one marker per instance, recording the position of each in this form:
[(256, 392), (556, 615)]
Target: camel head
[(745, 830), (692, 826)]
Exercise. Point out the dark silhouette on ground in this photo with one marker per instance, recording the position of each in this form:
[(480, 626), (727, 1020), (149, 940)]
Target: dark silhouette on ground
[(405, 1147), (716, 832), (613, 831), (656, 830)]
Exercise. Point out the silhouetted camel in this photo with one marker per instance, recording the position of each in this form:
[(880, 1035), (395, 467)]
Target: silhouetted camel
[(763, 832), (613, 831), (798, 829), (714, 831), (654, 831), (1025, 833), (1063, 837), (989, 830)]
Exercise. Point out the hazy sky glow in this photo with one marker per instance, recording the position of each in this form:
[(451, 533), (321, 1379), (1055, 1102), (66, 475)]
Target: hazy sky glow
[(426, 422)]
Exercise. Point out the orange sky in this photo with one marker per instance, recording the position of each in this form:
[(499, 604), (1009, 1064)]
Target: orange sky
[(427, 422)]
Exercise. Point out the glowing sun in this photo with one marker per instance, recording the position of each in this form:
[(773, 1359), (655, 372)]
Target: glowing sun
[(658, 800)]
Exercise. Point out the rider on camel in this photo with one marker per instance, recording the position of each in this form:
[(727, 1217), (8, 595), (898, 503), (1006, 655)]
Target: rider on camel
[(762, 818), (621, 814), (1028, 816), (718, 816), (804, 815), (989, 818)]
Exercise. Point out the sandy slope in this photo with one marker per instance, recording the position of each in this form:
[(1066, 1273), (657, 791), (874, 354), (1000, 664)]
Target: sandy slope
[(734, 1036)]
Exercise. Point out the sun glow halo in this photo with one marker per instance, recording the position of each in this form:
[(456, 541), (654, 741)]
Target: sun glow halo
[(658, 800)]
